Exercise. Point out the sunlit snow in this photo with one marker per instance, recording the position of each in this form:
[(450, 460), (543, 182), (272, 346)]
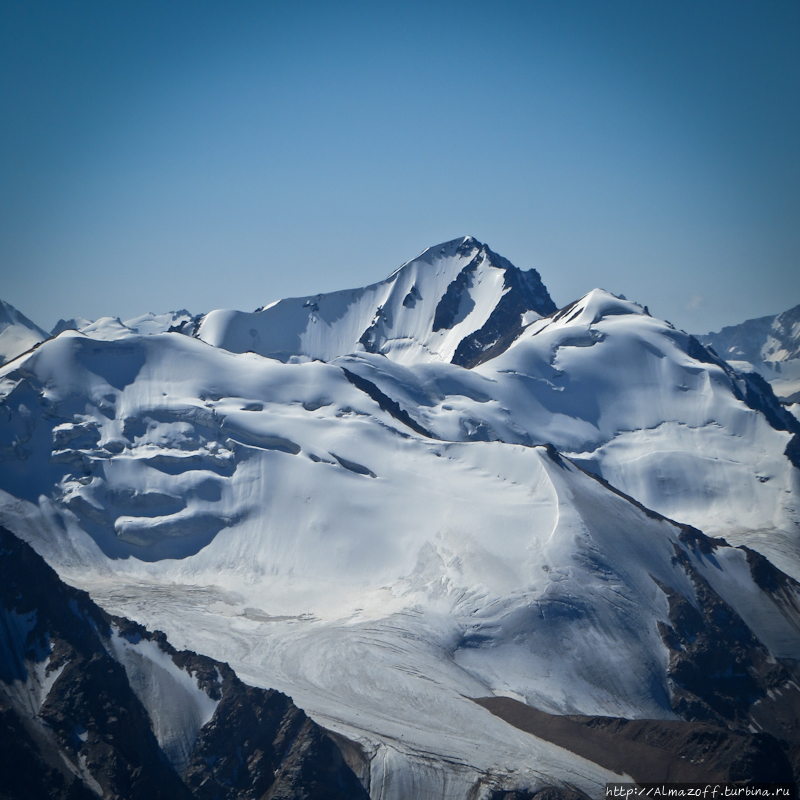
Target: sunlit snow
[(386, 535)]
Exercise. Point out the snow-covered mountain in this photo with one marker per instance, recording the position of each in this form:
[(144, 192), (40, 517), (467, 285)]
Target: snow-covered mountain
[(17, 333), (457, 302), (634, 400), (460, 498), (767, 345)]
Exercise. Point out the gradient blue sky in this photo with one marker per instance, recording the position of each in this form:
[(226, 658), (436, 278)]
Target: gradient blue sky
[(155, 156)]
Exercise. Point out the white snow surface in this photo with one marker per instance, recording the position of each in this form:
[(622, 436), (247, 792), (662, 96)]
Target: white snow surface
[(615, 389), (272, 516), (111, 328), (277, 517), (17, 333)]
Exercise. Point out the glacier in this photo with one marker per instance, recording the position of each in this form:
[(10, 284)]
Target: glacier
[(391, 501)]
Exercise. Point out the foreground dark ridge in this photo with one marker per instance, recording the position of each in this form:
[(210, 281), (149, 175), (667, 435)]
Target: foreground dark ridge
[(654, 750), (73, 726)]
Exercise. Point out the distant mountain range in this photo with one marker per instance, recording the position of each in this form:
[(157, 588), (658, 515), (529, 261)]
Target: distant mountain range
[(767, 345), (491, 546)]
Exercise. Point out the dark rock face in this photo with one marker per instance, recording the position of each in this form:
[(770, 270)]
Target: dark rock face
[(259, 744), (784, 330), (385, 402), (792, 451), (453, 302), (188, 327), (740, 342), (651, 750), (757, 339), (721, 674), (717, 666), (88, 733), (524, 291), (371, 338), (769, 578), (410, 300), (29, 767), (759, 396), (90, 715)]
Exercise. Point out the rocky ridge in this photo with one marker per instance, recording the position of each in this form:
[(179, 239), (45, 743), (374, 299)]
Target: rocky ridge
[(77, 721)]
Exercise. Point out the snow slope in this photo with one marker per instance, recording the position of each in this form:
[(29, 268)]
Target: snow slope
[(384, 533), (276, 517), (451, 303), (17, 333), (634, 400)]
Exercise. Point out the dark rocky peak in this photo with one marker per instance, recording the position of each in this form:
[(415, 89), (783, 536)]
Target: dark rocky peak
[(523, 292), (526, 283), (413, 315)]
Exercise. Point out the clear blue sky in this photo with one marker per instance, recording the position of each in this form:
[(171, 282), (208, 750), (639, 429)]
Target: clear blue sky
[(203, 155)]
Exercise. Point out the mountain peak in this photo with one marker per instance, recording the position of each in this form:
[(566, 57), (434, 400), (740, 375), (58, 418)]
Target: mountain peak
[(17, 333), (455, 302), (597, 305)]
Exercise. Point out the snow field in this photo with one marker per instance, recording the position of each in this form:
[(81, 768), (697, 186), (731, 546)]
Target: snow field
[(273, 515)]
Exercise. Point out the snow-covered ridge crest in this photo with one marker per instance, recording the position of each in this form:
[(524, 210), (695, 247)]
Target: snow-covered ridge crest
[(451, 303), (634, 400), (114, 328)]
